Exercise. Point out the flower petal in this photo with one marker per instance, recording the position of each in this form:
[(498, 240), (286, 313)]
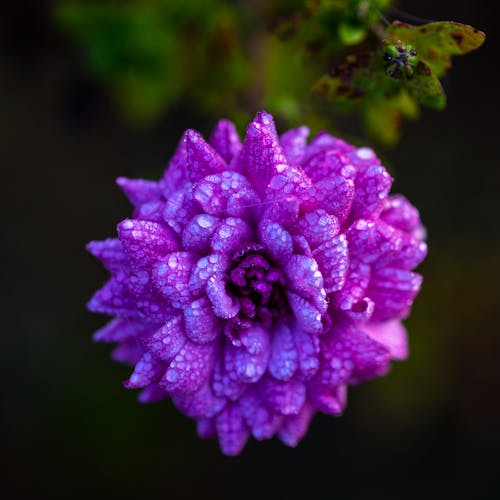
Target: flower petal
[(225, 140), (167, 341), (226, 194), (284, 357), (201, 324), (261, 156), (323, 142), (372, 186), (145, 242), (305, 279), (224, 385), (349, 356), (231, 429), (333, 260), (285, 398), (110, 252), (400, 213), (189, 369), (171, 277), (115, 299), (129, 352), (392, 335), (147, 370), (180, 208), (202, 404), (139, 191), (224, 306), (318, 226), (294, 144), (393, 291), (204, 269), (120, 329), (197, 234), (201, 158), (307, 316), (230, 234), (249, 362), (262, 421), (152, 394), (277, 240), (307, 346), (295, 426), (331, 401), (175, 175)]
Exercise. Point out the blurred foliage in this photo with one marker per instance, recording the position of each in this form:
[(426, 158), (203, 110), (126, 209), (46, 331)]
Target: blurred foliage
[(393, 69), (326, 26), (153, 53), (218, 56)]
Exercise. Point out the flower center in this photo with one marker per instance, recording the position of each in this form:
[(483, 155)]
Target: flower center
[(258, 286)]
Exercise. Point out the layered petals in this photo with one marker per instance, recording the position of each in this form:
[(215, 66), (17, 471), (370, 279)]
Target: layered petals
[(257, 280)]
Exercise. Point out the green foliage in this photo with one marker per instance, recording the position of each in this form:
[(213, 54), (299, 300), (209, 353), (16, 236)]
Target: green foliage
[(217, 56), (437, 42), (152, 53), (389, 83), (327, 26)]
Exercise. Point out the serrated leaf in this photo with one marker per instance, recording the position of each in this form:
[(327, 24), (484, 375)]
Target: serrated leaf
[(437, 42)]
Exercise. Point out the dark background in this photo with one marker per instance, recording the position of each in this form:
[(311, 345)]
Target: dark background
[(429, 430)]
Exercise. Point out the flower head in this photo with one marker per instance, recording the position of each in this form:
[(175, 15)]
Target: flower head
[(256, 281)]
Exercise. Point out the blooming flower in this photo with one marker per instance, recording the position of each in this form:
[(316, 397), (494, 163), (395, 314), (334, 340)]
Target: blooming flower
[(256, 281)]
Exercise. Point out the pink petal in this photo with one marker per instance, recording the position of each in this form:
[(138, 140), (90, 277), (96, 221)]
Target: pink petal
[(139, 191), (294, 144), (261, 155), (393, 291), (225, 140), (147, 370), (277, 240), (284, 357), (333, 259), (202, 159), (230, 234), (231, 429), (226, 194), (295, 426), (308, 349), (202, 404), (167, 341), (285, 398), (189, 369), (171, 277), (318, 226), (392, 335), (145, 242), (249, 362), (120, 329), (307, 316), (305, 279), (201, 324), (110, 252), (262, 421), (204, 269), (197, 235)]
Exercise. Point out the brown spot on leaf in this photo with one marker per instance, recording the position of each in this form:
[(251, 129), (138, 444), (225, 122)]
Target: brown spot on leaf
[(458, 37)]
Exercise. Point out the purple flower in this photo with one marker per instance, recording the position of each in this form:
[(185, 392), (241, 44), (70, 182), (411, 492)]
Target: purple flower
[(255, 282)]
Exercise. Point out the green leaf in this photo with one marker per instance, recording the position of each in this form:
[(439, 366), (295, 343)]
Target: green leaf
[(349, 81), (427, 88), (383, 119), (437, 42)]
